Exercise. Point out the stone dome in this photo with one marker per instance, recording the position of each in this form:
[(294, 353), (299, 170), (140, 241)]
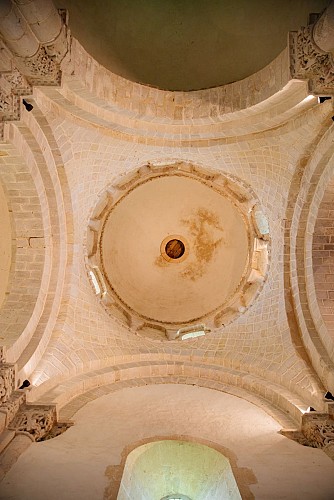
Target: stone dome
[(174, 247)]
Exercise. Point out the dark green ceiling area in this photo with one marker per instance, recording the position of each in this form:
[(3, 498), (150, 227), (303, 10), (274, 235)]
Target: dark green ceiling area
[(186, 44)]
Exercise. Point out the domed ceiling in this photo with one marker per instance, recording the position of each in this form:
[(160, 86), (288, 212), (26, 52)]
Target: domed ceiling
[(187, 44), (175, 247), (136, 240)]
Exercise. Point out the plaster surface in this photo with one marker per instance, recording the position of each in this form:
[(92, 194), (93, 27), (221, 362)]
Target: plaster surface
[(79, 464), (216, 239)]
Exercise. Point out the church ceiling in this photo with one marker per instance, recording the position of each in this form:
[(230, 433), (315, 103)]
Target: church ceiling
[(188, 44)]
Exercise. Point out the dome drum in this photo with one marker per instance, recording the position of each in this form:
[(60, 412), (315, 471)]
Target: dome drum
[(175, 250)]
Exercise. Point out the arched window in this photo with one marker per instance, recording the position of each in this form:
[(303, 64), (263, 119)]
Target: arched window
[(164, 469)]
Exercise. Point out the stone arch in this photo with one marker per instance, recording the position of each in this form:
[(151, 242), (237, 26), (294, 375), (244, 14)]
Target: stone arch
[(281, 404), (314, 228), (206, 104), (58, 205), (43, 234), (310, 179), (74, 102), (323, 258), (24, 300)]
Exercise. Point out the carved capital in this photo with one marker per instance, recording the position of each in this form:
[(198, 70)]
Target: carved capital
[(7, 382), (309, 62), (36, 420), (40, 69), (12, 85), (20, 71), (57, 429), (318, 430), (12, 406)]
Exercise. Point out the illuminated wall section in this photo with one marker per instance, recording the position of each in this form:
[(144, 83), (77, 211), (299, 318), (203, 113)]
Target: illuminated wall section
[(177, 470)]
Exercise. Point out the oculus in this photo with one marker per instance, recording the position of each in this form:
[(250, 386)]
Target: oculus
[(174, 249)]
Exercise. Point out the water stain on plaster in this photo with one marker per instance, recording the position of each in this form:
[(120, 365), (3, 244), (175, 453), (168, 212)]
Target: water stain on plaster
[(161, 262), (203, 227), (114, 476)]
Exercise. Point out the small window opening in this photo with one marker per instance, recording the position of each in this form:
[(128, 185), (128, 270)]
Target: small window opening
[(175, 249), (191, 332), (95, 282)]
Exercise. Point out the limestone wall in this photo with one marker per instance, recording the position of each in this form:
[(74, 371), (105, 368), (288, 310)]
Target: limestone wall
[(87, 461)]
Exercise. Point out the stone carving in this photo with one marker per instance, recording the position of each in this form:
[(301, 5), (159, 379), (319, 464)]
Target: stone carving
[(41, 69), (6, 102), (7, 382), (56, 430), (319, 433), (18, 84), (12, 86), (308, 61), (35, 420), (11, 407)]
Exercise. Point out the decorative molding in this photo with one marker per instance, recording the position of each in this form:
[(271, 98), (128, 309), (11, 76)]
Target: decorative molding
[(12, 406), (309, 62), (39, 421), (317, 431), (56, 430), (41, 68), (7, 382), (20, 74), (35, 420), (12, 85)]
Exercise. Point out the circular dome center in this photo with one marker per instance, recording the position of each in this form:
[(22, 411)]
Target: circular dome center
[(174, 219), (175, 249)]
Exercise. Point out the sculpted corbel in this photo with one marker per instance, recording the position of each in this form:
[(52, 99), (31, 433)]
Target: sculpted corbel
[(7, 382)]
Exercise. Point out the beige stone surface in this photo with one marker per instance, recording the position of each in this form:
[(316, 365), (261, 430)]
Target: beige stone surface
[(86, 136), (5, 245), (77, 463), (323, 257)]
